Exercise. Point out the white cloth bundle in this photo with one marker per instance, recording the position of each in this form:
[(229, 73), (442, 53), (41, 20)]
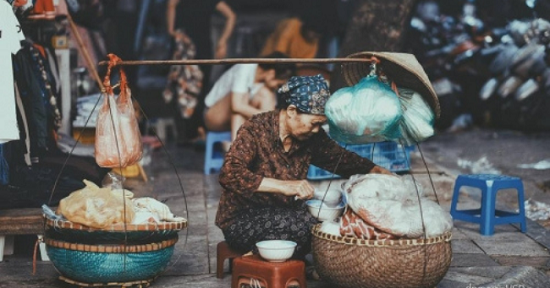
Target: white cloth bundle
[(390, 203), (151, 210)]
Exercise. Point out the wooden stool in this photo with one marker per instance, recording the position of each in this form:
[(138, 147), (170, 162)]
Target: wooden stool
[(22, 221), (253, 271), (224, 252)]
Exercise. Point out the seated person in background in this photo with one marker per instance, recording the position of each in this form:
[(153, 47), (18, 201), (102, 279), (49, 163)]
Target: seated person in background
[(242, 91), (264, 173), (298, 38)]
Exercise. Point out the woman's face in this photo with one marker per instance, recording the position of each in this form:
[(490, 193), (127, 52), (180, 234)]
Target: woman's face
[(302, 126)]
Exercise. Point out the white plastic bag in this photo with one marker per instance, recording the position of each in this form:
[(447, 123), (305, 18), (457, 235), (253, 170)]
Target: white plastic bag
[(97, 207), (118, 140), (418, 118)]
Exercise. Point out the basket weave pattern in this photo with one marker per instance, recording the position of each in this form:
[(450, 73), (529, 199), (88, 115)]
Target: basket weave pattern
[(110, 263), (117, 254), (351, 262)]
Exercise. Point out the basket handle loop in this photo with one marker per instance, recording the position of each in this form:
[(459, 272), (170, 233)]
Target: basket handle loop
[(114, 60), (373, 59)]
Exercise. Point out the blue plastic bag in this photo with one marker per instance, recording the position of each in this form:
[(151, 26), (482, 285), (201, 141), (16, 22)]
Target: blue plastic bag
[(368, 112)]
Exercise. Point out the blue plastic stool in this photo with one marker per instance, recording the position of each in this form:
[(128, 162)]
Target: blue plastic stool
[(213, 158), (487, 216)]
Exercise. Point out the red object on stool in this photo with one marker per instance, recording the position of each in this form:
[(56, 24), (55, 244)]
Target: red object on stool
[(250, 269), (224, 252)]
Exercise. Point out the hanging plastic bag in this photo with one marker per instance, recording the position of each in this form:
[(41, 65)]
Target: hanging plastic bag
[(118, 140), (418, 118), (97, 207), (367, 112)]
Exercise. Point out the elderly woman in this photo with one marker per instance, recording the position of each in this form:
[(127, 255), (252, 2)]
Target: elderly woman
[(263, 177)]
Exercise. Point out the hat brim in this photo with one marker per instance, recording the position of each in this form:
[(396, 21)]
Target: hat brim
[(403, 68)]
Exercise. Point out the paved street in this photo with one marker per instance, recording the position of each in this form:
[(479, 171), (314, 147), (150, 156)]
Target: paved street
[(509, 257)]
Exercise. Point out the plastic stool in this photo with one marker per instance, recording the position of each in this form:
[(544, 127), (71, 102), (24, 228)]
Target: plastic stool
[(252, 270), (489, 216), (160, 126), (224, 252), (213, 159)]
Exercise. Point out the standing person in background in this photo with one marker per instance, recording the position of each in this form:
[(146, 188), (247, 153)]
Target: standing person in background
[(193, 18), (296, 37), (244, 90), (121, 18)]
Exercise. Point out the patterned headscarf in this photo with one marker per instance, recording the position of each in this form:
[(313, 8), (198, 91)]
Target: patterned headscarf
[(308, 93)]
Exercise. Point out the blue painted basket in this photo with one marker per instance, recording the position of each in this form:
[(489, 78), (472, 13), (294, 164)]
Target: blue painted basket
[(65, 230), (110, 263)]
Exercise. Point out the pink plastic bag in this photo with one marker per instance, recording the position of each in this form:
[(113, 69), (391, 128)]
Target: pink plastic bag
[(118, 140)]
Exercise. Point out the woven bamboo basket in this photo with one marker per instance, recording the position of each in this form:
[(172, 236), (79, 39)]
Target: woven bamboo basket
[(109, 263), (355, 263), (65, 230), (402, 68)]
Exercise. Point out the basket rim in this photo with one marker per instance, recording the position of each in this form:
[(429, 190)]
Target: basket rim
[(348, 240), (111, 248), (66, 224), (115, 284), (417, 74)]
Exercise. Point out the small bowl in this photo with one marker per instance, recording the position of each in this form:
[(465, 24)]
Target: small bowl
[(276, 250), (332, 197), (324, 213)]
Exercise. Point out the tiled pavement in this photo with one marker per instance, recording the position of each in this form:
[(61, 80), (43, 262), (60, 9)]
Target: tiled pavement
[(507, 258)]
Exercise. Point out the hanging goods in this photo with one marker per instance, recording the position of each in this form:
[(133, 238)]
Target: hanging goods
[(102, 265), (97, 207), (405, 263), (366, 112), (418, 119), (118, 140), (402, 68), (390, 98), (349, 261), (108, 246)]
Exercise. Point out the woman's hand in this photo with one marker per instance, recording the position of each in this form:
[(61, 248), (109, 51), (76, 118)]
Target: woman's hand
[(380, 170), (299, 188)]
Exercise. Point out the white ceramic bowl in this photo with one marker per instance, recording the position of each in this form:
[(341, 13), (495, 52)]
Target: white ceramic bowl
[(276, 250), (332, 197), (324, 213)]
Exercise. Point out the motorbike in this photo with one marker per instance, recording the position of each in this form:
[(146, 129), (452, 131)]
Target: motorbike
[(497, 75)]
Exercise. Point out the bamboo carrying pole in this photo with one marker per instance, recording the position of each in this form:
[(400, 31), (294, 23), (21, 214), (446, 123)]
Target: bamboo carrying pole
[(240, 61)]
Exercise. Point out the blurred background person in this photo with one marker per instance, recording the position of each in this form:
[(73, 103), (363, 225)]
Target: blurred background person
[(242, 91), (296, 37), (193, 18)]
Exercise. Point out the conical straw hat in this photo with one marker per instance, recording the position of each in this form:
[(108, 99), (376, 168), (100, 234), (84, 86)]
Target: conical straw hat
[(402, 68)]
